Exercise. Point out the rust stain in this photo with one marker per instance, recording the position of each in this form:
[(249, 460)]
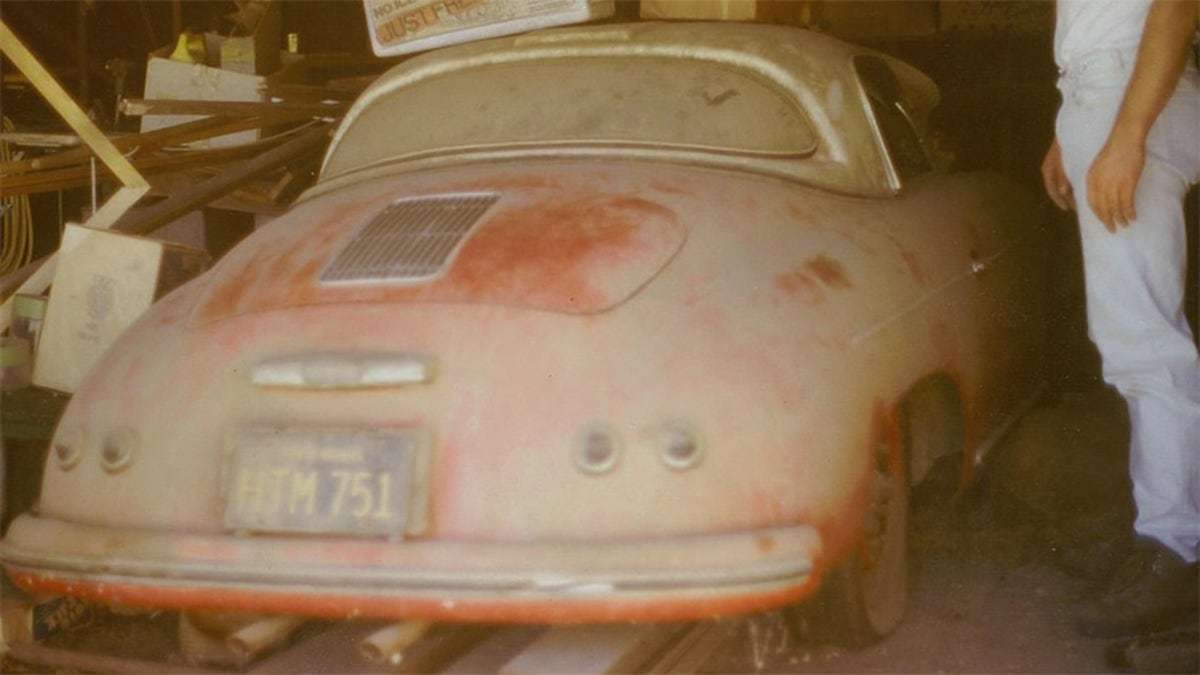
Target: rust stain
[(829, 271), (546, 249), (504, 609), (796, 212), (766, 544), (913, 261), (797, 283), (551, 254), (668, 188), (812, 278)]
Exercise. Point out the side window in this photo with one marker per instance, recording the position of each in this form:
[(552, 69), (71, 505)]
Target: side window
[(903, 144)]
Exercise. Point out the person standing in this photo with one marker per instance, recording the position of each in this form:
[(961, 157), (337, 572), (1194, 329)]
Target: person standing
[(1126, 150)]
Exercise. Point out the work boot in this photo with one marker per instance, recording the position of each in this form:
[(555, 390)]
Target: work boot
[(1153, 589)]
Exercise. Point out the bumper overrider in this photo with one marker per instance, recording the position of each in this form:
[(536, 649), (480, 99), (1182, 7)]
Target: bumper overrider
[(669, 578)]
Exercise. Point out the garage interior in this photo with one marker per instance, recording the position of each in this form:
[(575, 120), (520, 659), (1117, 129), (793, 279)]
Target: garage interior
[(999, 568)]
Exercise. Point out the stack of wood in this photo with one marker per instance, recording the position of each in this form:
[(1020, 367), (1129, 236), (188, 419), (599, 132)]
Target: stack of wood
[(172, 161)]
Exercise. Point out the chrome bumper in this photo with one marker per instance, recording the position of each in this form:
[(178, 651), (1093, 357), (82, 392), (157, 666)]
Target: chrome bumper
[(671, 577)]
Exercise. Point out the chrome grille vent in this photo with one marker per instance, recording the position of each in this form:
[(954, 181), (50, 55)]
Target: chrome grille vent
[(410, 240)]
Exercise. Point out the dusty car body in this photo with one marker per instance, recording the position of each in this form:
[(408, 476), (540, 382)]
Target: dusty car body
[(622, 322)]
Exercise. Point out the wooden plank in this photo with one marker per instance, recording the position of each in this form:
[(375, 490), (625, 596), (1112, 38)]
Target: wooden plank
[(34, 139), (149, 141), (180, 133), (135, 185), (79, 175), (493, 652), (332, 650), (133, 107), (66, 107), (595, 648), (694, 648), (439, 647), (151, 218), (310, 93)]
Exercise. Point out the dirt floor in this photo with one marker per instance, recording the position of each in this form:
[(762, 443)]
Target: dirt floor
[(999, 569)]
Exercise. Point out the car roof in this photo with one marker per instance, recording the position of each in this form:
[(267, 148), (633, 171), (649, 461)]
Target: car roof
[(815, 72)]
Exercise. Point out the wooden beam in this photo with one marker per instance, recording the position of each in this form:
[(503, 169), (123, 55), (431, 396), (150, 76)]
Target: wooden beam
[(145, 221), (66, 107), (80, 174), (145, 106), (73, 115)]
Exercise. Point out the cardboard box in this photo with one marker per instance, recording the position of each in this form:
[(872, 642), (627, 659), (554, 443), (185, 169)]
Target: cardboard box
[(167, 79), (176, 80), (788, 12), (405, 26), (1015, 15), (103, 282)]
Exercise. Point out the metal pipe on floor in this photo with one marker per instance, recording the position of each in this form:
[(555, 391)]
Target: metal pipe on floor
[(251, 640), (387, 644)]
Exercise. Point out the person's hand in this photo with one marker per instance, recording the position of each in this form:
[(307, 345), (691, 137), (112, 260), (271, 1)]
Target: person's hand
[(1113, 178), (1058, 187)]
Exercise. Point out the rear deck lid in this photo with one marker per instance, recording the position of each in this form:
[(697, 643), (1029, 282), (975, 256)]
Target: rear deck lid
[(577, 253)]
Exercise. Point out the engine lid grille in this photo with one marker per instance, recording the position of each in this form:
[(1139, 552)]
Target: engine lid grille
[(412, 239)]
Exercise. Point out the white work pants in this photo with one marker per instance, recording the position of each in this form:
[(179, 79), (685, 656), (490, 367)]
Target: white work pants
[(1135, 282)]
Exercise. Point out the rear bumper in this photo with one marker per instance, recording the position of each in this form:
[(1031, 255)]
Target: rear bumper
[(672, 578)]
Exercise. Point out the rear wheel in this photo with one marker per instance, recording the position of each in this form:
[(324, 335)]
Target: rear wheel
[(864, 598)]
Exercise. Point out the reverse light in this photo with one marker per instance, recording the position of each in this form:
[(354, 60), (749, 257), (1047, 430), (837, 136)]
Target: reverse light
[(679, 446), (597, 451), (331, 370), (68, 448), (119, 450)]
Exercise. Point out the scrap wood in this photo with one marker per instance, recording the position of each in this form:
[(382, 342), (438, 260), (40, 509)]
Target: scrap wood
[(141, 144), (37, 139), (146, 220), (81, 175), (308, 92), (123, 142), (133, 185), (66, 107), (133, 107)]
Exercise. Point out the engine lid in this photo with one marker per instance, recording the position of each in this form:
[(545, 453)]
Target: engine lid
[(573, 252)]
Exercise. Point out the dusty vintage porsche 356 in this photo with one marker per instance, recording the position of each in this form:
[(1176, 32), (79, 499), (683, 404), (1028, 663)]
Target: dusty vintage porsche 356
[(619, 322)]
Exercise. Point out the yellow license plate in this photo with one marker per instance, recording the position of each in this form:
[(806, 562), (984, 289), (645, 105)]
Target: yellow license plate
[(326, 482)]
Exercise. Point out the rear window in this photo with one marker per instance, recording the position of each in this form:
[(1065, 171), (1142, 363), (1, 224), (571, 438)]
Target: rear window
[(578, 102)]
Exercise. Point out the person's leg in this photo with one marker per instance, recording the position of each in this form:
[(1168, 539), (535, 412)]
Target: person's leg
[(1135, 280)]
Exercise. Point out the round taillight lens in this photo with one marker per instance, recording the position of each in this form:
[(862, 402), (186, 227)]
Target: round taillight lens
[(119, 450), (68, 448), (680, 447), (598, 451)]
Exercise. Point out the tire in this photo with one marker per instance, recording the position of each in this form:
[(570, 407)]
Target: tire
[(864, 598)]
